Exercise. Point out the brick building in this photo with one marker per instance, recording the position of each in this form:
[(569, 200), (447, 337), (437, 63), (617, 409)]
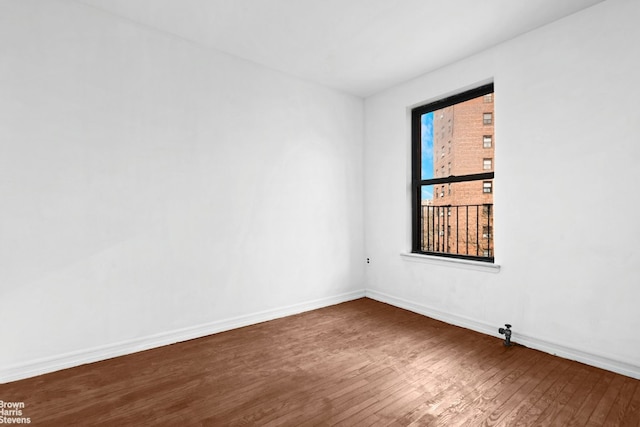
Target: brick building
[(459, 219)]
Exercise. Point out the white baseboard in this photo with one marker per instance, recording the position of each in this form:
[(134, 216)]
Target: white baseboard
[(599, 361), (51, 364)]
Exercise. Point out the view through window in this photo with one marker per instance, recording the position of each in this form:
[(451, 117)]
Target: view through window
[(453, 171)]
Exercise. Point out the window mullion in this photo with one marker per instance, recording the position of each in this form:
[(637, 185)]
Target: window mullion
[(461, 178)]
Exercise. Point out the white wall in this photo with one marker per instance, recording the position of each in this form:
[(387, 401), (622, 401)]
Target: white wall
[(567, 228), (148, 186)]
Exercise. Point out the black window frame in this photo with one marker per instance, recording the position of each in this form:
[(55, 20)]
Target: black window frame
[(416, 165)]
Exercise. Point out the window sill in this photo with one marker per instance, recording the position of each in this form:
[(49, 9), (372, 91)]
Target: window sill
[(452, 262)]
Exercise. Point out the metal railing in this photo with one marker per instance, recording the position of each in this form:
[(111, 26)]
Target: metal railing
[(464, 231)]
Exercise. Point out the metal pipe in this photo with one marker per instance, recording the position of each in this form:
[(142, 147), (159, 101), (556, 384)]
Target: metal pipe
[(507, 334)]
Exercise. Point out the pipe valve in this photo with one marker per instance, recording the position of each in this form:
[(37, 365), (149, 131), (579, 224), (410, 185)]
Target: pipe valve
[(507, 334)]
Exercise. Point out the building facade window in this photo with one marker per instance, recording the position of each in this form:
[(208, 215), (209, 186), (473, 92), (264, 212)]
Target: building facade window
[(454, 226)]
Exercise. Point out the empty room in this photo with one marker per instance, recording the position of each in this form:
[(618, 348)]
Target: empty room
[(288, 213)]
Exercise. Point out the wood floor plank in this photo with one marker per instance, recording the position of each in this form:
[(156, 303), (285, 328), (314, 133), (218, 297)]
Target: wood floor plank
[(449, 393), (510, 400), (619, 406), (557, 385), (449, 383), (463, 404), (600, 412), (570, 408), (544, 380), (492, 397), (581, 417), (579, 374), (631, 416), (354, 364)]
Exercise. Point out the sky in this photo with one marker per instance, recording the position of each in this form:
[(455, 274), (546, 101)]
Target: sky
[(427, 153)]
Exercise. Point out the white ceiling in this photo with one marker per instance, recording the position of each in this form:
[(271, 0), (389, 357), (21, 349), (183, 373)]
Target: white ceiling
[(356, 46)]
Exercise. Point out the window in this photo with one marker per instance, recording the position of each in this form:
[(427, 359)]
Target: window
[(460, 225)]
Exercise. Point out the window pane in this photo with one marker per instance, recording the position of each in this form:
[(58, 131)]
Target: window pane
[(450, 136), (427, 145), (427, 194), (458, 223), (487, 141)]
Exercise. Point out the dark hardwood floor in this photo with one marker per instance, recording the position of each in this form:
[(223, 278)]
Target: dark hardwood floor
[(357, 363)]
